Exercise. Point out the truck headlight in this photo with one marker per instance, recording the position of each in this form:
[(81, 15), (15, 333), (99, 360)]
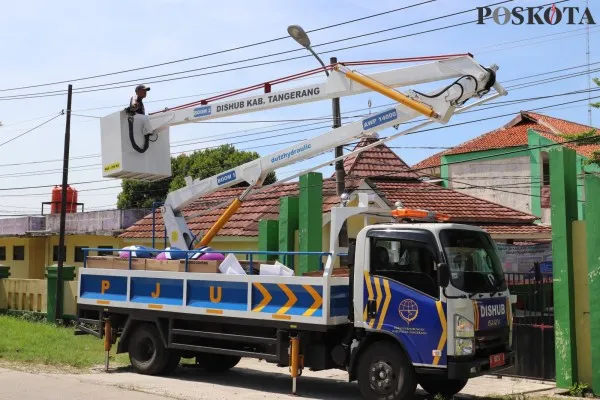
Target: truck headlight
[(463, 347), (463, 328)]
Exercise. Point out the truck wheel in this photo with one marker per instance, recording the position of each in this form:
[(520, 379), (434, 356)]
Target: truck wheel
[(172, 363), (436, 384), (147, 353), (216, 362), (385, 373)]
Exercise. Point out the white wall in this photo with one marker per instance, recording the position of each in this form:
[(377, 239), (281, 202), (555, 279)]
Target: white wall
[(505, 175)]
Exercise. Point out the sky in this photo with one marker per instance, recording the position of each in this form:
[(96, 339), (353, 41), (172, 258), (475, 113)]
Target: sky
[(44, 42)]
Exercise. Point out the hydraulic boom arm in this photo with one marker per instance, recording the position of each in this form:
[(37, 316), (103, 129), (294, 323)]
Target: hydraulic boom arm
[(472, 81)]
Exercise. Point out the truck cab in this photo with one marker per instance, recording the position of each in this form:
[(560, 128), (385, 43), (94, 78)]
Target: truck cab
[(435, 293)]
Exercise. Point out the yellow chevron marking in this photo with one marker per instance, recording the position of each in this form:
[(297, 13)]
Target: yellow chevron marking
[(476, 315), (386, 302), (370, 291), (378, 299), (292, 299), (318, 300), (442, 343), (266, 297)]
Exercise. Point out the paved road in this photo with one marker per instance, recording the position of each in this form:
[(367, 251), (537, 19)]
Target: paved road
[(251, 380)]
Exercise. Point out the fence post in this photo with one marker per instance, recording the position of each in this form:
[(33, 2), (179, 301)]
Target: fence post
[(563, 185), (592, 221), (68, 274), (310, 224), (4, 274)]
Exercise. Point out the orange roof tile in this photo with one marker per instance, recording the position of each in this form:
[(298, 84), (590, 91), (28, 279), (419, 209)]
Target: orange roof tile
[(380, 167), (459, 206), (514, 134), (263, 205), (516, 229), (377, 161)]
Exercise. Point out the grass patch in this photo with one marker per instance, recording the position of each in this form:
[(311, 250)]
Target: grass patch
[(25, 341)]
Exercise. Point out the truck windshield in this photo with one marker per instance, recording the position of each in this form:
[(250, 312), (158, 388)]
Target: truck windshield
[(474, 263)]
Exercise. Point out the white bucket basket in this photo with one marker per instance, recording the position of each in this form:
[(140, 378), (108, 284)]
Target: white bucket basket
[(119, 157)]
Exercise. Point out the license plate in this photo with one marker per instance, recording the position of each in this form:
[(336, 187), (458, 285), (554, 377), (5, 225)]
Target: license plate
[(496, 360)]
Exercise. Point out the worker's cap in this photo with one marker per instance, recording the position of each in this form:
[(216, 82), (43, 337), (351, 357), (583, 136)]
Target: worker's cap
[(142, 87)]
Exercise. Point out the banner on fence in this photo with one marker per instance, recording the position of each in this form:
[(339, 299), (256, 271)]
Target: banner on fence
[(521, 258)]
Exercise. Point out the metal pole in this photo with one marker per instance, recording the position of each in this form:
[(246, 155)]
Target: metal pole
[(340, 173), (63, 210)]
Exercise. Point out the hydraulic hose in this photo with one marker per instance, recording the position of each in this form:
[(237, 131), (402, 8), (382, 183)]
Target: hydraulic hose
[(132, 139)]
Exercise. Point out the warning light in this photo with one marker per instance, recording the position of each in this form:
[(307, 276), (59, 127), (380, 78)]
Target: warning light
[(407, 213)]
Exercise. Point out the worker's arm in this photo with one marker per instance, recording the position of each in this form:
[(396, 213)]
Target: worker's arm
[(133, 104)]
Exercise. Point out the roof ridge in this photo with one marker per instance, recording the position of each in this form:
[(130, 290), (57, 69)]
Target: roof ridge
[(363, 160), (558, 119)]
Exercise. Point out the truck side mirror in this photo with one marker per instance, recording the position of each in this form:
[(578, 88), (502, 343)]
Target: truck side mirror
[(443, 274)]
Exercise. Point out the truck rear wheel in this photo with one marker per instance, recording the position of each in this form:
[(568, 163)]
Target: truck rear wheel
[(147, 352), (385, 373), (172, 363), (216, 362), (439, 385)]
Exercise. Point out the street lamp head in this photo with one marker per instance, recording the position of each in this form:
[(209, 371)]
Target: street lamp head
[(298, 34)]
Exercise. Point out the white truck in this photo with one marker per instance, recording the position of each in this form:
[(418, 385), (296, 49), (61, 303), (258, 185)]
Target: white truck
[(423, 301)]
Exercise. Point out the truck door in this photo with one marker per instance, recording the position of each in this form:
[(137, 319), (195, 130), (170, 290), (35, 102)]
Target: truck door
[(401, 293)]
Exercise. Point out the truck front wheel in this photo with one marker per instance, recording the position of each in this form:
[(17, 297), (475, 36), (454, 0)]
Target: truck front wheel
[(439, 385), (385, 373), (147, 352)]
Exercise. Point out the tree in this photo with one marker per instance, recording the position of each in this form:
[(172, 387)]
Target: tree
[(200, 164), (590, 137)]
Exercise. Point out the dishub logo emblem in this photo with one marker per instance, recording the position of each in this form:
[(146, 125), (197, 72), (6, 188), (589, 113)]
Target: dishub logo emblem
[(540, 15), (408, 310)]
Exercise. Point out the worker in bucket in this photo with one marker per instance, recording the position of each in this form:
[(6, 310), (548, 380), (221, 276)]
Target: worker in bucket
[(136, 104), (140, 124)]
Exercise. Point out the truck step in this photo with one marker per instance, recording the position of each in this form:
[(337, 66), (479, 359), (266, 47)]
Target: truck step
[(80, 330), (229, 352)]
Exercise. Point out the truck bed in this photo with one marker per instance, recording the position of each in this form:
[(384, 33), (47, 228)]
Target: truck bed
[(307, 300)]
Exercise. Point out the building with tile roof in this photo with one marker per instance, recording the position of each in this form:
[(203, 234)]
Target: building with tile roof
[(379, 171), (510, 165)]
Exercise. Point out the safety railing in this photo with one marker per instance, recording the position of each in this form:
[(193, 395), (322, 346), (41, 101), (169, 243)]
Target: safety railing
[(250, 255)]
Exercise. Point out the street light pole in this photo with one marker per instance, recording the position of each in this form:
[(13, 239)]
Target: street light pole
[(300, 36)]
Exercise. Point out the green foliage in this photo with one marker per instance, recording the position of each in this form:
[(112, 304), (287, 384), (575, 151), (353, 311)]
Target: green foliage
[(578, 389), (586, 138), (199, 165), (46, 343)]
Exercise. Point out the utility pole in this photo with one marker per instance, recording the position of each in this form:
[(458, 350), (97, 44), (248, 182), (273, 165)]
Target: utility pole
[(589, 78), (63, 210), (340, 173), (339, 150)]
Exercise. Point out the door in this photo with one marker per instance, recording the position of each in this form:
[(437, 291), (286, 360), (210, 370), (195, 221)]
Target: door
[(401, 297)]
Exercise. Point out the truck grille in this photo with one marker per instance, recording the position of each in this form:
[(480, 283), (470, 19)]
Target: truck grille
[(491, 341)]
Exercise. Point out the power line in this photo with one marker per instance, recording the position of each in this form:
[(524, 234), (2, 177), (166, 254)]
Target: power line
[(229, 135), (412, 169), (58, 93), (213, 53), (32, 129)]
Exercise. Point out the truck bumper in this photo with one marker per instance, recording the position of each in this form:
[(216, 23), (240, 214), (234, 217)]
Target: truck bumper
[(459, 369)]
